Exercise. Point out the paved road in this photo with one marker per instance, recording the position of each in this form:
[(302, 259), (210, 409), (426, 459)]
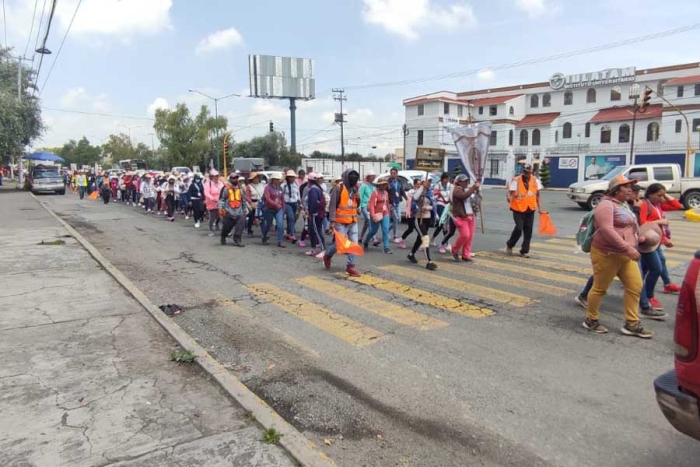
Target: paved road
[(480, 364)]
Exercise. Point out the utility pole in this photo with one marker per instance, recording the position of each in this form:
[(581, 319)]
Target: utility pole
[(340, 118), (405, 132), (634, 94)]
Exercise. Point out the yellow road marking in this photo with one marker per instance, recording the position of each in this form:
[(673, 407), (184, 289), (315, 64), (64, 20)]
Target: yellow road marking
[(488, 293), (582, 258), (585, 259), (531, 271), (383, 308), (550, 246), (500, 278), (337, 325), (422, 296)]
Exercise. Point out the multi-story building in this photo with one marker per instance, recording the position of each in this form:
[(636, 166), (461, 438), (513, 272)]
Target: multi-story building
[(569, 120)]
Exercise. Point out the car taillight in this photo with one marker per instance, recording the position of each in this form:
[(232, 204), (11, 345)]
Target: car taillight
[(686, 330)]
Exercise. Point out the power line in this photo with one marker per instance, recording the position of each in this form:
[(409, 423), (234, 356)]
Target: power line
[(38, 30), (96, 114), (4, 21), (46, 38), (65, 36), (31, 30), (534, 61)]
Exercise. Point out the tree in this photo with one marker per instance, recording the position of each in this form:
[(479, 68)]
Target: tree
[(545, 174), (188, 141), (457, 170), (20, 122), (272, 148), (119, 147)]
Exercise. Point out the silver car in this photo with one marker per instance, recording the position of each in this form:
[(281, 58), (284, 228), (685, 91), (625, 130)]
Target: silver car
[(47, 181)]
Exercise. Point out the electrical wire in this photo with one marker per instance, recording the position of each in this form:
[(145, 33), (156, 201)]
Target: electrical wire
[(31, 29), (38, 30), (58, 54), (46, 38), (4, 21), (96, 114)]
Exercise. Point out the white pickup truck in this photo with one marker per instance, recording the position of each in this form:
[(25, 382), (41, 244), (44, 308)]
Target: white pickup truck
[(687, 190)]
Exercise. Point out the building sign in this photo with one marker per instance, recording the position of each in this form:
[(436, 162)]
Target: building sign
[(598, 167), (597, 78), (429, 159), (568, 163)]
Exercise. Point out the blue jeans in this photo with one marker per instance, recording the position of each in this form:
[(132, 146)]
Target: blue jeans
[(185, 202), (291, 210), (587, 288), (350, 231), (395, 219), (81, 191), (664, 270), (278, 216), (384, 224), (651, 271)]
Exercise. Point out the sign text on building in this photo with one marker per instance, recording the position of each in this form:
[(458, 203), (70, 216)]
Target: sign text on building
[(596, 78)]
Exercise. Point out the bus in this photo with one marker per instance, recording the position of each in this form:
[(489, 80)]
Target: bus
[(133, 164)]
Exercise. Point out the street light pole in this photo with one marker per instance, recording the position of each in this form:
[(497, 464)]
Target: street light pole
[(129, 128), (216, 113), (634, 94)]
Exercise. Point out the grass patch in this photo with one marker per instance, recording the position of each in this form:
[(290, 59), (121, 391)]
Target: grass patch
[(182, 356), (271, 436), (55, 242)]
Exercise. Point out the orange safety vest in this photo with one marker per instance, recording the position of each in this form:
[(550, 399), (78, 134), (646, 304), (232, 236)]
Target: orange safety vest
[(234, 197), (346, 211), (524, 198)]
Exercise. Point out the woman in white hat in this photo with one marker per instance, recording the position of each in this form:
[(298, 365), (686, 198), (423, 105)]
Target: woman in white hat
[(171, 191), (273, 201), (292, 204)]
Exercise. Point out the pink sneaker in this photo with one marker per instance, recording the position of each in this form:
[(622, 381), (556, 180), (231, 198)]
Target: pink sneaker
[(402, 244), (310, 253), (442, 249), (302, 244)]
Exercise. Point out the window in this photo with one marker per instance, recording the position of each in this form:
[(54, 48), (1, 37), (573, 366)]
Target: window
[(605, 134), (590, 96), (495, 168), (696, 125), (568, 98), (616, 93), (511, 111), (446, 108), (523, 137), (653, 132), (534, 101), (494, 138), (493, 110), (679, 126), (588, 130), (556, 136), (679, 91), (624, 136), (535, 137), (420, 137), (697, 89), (663, 174), (481, 110), (460, 110), (547, 100), (638, 174), (421, 109), (510, 138), (567, 130)]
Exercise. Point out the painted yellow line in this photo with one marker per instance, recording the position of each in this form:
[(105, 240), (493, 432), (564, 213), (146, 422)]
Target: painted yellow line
[(383, 308), (555, 247), (423, 296), (583, 257), (468, 288), (530, 271), (687, 251), (474, 273), (337, 325)]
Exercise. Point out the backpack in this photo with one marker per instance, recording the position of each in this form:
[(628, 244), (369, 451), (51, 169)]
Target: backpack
[(586, 231)]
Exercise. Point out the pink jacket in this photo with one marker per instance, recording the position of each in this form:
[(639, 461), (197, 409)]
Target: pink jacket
[(211, 193), (378, 203)]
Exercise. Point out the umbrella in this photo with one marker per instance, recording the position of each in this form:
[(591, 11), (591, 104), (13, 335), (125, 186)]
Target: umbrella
[(44, 156), (394, 165)]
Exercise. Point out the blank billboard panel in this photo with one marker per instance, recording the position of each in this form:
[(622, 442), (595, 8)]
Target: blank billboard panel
[(281, 77)]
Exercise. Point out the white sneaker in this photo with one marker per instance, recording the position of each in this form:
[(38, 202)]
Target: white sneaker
[(397, 240), (187, 218), (321, 254), (196, 225)]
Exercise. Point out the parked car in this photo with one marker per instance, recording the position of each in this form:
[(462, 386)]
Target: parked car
[(46, 180), (678, 391), (687, 190), (182, 170)]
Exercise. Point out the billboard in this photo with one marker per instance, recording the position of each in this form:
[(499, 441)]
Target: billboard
[(281, 77), (596, 167)]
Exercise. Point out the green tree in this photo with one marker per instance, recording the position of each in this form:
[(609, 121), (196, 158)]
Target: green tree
[(119, 147), (188, 141), (272, 148), (79, 152), (457, 170), (20, 122), (545, 174)]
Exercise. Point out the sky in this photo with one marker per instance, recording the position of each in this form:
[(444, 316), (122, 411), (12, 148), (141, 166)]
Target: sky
[(122, 59)]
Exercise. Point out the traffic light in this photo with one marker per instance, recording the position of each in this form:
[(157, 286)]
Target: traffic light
[(646, 97), (272, 127)]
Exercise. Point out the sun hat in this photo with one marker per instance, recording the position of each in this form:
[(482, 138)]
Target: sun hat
[(381, 181), (234, 175), (252, 175), (171, 178), (619, 181), (371, 173), (213, 173), (290, 173), (652, 237), (276, 176), (312, 176)]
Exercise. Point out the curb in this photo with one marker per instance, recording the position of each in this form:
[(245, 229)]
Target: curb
[(296, 444), (693, 215)]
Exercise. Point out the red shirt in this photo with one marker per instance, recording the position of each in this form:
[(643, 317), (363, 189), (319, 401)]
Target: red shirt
[(651, 213)]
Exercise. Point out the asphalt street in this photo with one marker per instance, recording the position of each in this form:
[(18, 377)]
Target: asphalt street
[(473, 364)]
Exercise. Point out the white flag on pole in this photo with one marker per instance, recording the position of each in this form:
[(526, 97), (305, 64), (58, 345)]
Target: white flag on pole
[(472, 142)]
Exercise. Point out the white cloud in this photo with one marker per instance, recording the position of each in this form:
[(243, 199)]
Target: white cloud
[(219, 40), (533, 8), (159, 103), (405, 17), (73, 96), (122, 18), (486, 75)]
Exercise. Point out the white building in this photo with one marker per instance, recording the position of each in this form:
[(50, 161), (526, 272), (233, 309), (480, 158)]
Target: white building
[(568, 117)]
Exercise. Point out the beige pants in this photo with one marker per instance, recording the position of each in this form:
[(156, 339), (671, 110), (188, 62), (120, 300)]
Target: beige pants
[(606, 267)]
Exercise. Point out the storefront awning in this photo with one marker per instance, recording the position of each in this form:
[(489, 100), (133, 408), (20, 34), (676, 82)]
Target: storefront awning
[(538, 119), (493, 100), (622, 114)]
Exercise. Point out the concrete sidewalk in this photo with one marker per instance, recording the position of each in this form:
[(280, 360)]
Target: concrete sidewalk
[(86, 378)]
